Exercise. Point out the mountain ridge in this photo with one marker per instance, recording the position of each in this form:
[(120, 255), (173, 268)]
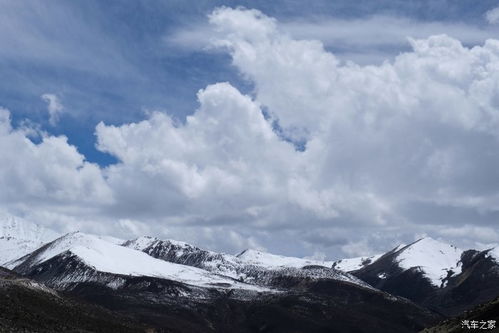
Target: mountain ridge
[(146, 277)]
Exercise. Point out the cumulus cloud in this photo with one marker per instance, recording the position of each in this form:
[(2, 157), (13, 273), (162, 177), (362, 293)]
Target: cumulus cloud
[(54, 108), (492, 16), (50, 175), (390, 151), (224, 162), (390, 135)]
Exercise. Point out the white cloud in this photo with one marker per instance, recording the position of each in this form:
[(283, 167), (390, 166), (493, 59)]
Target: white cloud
[(492, 16), (54, 108), (368, 40), (201, 169), (403, 148), (49, 174)]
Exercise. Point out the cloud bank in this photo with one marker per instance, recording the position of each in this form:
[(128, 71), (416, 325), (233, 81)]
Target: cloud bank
[(389, 152)]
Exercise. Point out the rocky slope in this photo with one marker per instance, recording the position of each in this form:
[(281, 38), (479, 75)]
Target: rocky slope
[(27, 306)]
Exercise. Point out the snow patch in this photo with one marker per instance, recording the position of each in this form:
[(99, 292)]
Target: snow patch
[(494, 254), (434, 258), (353, 264), (19, 237), (272, 261), (16, 227)]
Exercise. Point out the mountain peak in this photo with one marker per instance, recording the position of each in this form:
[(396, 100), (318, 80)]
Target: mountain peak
[(144, 242), (427, 240), (249, 253), (435, 258)]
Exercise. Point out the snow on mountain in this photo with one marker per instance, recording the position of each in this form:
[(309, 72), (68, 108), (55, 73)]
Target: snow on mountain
[(251, 266), (181, 252), (434, 258), (272, 261), (353, 264), (281, 266), (107, 257), (145, 242), (16, 227), (187, 254), (12, 248), (140, 243), (111, 239), (178, 249), (494, 253), (19, 237)]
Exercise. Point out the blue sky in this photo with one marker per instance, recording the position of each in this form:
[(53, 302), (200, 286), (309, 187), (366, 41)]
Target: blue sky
[(137, 67)]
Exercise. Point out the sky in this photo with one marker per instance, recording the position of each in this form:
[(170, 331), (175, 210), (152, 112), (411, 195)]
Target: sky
[(325, 129)]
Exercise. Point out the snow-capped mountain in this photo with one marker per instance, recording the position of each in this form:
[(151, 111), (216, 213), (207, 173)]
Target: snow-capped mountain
[(187, 254), (353, 264), (19, 237), (437, 260), (273, 261), (477, 283), (92, 255), (436, 275), (174, 282), (139, 278), (434, 260), (250, 266)]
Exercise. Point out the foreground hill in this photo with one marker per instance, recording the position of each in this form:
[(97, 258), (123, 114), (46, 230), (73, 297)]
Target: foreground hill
[(322, 306), (485, 316), (27, 306)]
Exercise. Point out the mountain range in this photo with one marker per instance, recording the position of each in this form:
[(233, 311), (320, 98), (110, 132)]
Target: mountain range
[(148, 284)]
